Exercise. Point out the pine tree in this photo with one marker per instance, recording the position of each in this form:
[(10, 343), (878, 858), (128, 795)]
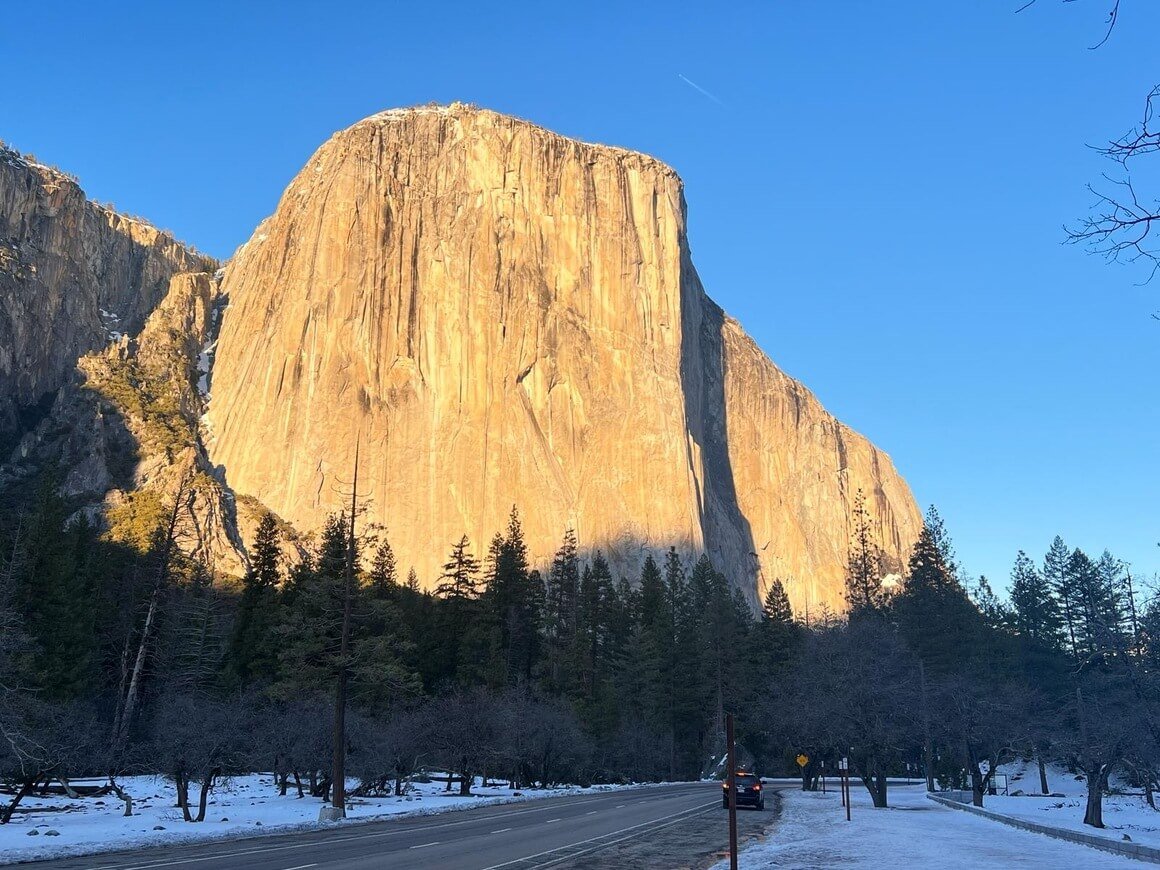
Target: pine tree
[(864, 591), (310, 631), (652, 593), (1036, 613), (1114, 610), (685, 720), (54, 592), (384, 575), (1094, 589), (649, 693), (591, 652), (776, 608), (778, 634), (933, 612), (1056, 575), (561, 594), (511, 603), (253, 649), (460, 577), (994, 611), (465, 633), (310, 634), (713, 604), (942, 542)]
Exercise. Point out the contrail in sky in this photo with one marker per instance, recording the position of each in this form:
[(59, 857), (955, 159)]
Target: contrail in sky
[(697, 87)]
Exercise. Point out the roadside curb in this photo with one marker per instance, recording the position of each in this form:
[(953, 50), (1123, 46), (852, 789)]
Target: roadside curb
[(1131, 850)]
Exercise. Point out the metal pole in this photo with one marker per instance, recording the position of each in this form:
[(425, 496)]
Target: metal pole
[(731, 780), (846, 778)]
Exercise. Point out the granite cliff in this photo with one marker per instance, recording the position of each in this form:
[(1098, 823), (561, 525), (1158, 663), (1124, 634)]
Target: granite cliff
[(74, 275), (500, 315), (106, 331)]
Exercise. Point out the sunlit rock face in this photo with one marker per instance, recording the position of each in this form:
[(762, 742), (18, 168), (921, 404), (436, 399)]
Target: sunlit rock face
[(500, 315), (74, 275)]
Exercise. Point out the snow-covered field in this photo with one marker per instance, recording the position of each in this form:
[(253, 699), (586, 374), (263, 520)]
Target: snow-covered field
[(813, 833), (242, 807), (1123, 813)]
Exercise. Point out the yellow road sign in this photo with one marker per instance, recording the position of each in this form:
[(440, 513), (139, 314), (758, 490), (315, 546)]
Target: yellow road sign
[(803, 760)]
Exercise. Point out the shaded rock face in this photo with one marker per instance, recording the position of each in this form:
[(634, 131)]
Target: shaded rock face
[(126, 427), (501, 315), (104, 326), (73, 276)]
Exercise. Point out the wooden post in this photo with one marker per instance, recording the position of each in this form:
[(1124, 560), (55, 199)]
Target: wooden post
[(731, 781)]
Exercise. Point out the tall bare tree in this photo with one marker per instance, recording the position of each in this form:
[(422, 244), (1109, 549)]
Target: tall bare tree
[(1121, 225)]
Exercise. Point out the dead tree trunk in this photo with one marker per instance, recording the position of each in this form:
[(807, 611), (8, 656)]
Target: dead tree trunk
[(127, 706), (10, 808)]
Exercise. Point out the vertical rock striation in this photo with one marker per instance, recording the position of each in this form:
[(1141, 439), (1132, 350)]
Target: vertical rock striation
[(503, 315)]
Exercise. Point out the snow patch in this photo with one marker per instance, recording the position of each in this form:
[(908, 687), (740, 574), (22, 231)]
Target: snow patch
[(915, 832), (204, 363)]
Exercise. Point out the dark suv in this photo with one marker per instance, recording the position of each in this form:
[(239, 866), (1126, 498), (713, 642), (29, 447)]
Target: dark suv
[(749, 792)]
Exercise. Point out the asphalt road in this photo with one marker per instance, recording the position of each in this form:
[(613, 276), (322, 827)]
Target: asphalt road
[(563, 832)]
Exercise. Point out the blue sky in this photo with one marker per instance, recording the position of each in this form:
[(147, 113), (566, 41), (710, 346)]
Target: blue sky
[(876, 192)]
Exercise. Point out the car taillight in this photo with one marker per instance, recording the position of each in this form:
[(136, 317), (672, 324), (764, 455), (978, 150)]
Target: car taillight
[(757, 787), (725, 786)]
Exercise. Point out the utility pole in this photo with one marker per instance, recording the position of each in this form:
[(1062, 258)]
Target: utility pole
[(338, 776), (731, 782)]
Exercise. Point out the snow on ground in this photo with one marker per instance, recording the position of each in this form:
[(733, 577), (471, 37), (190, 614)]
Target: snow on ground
[(1126, 813), (242, 807), (812, 832)]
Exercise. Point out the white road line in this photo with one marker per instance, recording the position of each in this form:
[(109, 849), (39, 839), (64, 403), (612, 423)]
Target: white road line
[(683, 814), (151, 865), (591, 813), (302, 866), (643, 833), (550, 821), (501, 831), (621, 806), (425, 845)]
